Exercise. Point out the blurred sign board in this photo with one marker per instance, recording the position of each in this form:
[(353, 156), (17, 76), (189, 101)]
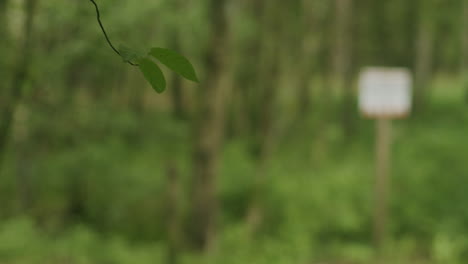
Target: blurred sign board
[(385, 92)]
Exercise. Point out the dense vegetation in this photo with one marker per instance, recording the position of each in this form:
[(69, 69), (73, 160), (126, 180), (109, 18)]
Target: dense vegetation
[(265, 161)]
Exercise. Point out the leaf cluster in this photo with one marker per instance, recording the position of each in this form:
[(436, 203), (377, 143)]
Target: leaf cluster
[(152, 72)]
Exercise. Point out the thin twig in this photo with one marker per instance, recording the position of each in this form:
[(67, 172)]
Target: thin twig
[(98, 15)]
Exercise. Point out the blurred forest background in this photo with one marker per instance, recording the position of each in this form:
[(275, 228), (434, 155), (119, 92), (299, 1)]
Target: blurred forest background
[(266, 161)]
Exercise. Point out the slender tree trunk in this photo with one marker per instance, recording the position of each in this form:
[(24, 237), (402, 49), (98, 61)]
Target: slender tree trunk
[(323, 107), (239, 125), (177, 96), (3, 4), (423, 65), (209, 128), (268, 85), (20, 77), (464, 64), (3, 20), (342, 40), (308, 55), (342, 59), (245, 110), (379, 32), (3, 32), (4, 100), (177, 93), (249, 94), (424, 55), (23, 159)]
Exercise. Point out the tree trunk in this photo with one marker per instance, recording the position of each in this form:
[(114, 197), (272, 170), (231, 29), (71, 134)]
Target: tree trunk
[(3, 20), (4, 100), (423, 65), (464, 64), (20, 77), (342, 60), (424, 55), (268, 86), (3, 33), (177, 96), (209, 128), (247, 94), (177, 93), (309, 48)]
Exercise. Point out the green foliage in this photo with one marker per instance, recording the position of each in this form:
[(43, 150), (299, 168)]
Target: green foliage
[(87, 137), (153, 74), (150, 70), (175, 62), (22, 242), (315, 211), (129, 55)]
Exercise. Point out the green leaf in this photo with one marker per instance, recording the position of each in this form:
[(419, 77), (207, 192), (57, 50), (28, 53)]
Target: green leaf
[(175, 62), (153, 74), (128, 54)]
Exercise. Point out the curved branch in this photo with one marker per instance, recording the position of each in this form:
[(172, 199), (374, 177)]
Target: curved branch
[(98, 16)]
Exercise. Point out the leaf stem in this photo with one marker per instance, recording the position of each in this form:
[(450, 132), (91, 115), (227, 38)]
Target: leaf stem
[(98, 16)]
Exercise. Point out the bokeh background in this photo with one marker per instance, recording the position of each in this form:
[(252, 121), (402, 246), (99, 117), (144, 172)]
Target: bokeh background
[(268, 160)]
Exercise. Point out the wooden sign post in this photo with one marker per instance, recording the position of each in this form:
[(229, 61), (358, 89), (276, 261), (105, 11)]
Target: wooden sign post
[(384, 94)]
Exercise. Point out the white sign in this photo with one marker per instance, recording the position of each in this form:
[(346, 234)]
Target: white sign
[(385, 92)]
